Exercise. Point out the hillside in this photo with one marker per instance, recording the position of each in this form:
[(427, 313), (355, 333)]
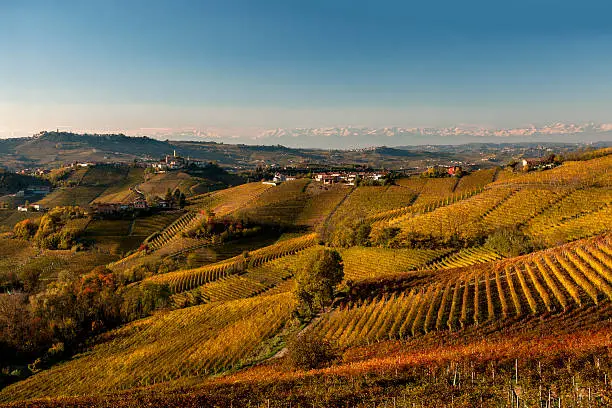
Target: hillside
[(492, 289), (52, 149)]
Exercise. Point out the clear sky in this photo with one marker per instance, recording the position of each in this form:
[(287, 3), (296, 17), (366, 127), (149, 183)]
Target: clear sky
[(132, 64)]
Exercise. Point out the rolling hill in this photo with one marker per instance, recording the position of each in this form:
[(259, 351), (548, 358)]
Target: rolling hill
[(431, 311)]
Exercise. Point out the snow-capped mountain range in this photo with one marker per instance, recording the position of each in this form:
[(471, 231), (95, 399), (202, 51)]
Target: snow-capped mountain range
[(357, 136)]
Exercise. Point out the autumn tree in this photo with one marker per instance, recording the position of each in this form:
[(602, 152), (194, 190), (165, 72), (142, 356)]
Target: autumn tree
[(25, 229), (317, 280)]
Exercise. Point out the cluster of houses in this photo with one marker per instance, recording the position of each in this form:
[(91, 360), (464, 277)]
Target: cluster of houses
[(538, 164), (454, 170), (118, 208), (279, 178), (349, 178), (175, 162), (31, 208), (82, 164), (328, 178), (34, 172), (140, 204)]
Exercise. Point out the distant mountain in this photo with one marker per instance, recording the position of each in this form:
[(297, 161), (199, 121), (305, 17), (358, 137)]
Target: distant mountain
[(359, 137)]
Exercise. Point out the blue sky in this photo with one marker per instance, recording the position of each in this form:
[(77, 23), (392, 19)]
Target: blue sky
[(131, 64)]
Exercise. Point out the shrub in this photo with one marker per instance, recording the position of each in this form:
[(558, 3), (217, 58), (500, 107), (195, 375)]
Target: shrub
[(509, 242), (307, 351)]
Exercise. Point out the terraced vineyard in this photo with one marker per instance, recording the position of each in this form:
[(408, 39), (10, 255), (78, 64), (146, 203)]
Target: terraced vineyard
[(596, 172), (280, 205), (185, 280), (462, 218), (464, 257), (436, 189), (225, 202), (181, 224), (158, 184), (122, 192), (545, 282), (524, 205), (369, 263), (148, 225), (581, 226), (365, 201), (475, 181), (322, 200), (104, 175), (71, 196), (112, 228), (396, 215), (253, 282), (578, 204), (173, 345)]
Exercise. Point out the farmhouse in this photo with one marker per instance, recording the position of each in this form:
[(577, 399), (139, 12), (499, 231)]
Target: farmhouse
[(348, 178), (106, 208), (140, 204), (33, 207), (455, 170)]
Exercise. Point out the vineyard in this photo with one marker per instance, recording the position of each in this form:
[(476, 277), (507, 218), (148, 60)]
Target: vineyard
[(183, 223), (368, 200), (103, 175), (475, 181), (185, 280), (464, 257), (158, 184), (173, 345), (431, 306), (545, 282), (524, 205), (462, 218), (71, 196), (369, 263), (322, 200), (595, 173), (254, 280), (397, 215), (569, 217), (225, 202), (122, 192), (280, 205), (436, 189), (148, 225)]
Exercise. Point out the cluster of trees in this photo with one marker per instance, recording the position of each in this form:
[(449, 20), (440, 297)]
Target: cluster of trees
[(317, 281), (315, 290), (175, 198), (43, 327), (350, 232), (147, 269), (13, 182), (51, 232), (218, 231), (506, 241), (509, 242)]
